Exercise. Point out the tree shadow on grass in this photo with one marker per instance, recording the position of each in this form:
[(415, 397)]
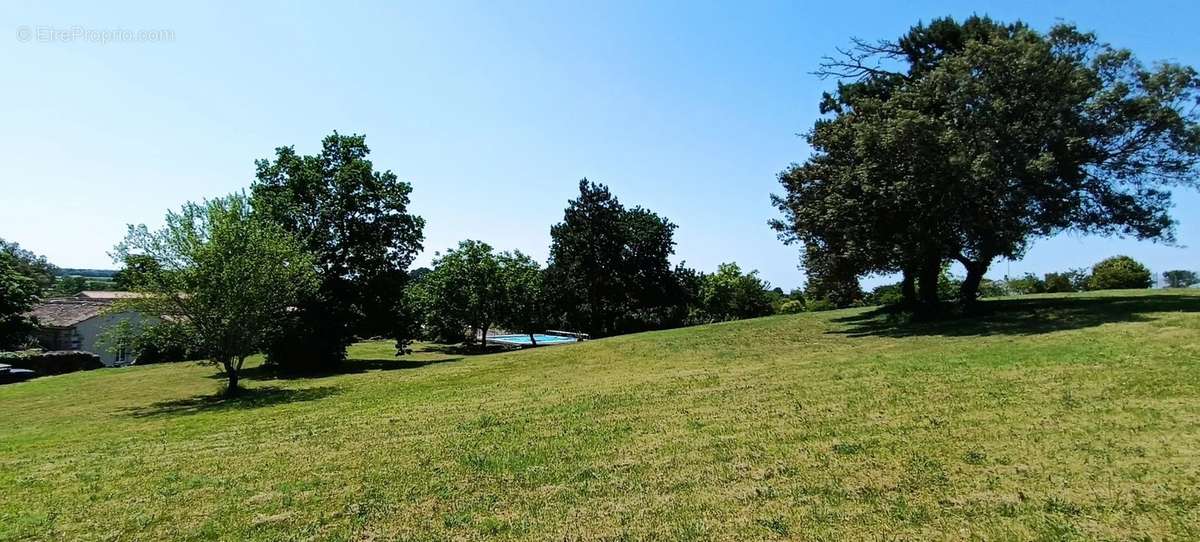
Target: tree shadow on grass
[(248, 398), (349, 366), (1029, 316), (467, 350)]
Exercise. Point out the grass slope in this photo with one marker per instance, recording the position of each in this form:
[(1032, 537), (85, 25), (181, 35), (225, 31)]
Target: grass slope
[(1052, 418)]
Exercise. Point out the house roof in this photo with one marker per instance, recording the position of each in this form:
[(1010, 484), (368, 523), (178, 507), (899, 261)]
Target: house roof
[(67, 312)]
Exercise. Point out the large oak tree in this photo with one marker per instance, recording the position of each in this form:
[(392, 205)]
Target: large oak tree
[(966, 141)]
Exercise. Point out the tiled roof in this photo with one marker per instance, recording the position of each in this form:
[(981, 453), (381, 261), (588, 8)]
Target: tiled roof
[(67, 312)]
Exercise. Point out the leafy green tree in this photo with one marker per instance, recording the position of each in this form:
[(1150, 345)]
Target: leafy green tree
[(729, 294), (356, 221), (231, 276), (1120, 272), (967, 141), (135, 266), (464, 291), (1180, 278), (27, 264), (525, 306), (69, 286), (18, 294), (609, 266)]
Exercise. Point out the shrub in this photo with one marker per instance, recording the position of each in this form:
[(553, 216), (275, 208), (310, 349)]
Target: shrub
[(1119, 272), (791, 306), (886, 294), (1027, 284), (1058, 283), (818, 305), (52, 363), (165, 342), (992, 288)]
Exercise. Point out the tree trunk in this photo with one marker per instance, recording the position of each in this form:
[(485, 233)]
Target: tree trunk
[(231, 371), (908, 288), (532, 340), (483, 337), (931, 270), (968, 293)]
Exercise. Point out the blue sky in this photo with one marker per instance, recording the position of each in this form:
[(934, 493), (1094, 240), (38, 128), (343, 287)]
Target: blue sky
[(492, 110)]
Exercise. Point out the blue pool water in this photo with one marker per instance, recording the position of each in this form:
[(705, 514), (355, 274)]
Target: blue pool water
[(524, 339)]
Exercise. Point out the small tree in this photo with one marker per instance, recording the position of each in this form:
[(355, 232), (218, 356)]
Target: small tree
[(1180, 278), (229, 275), (1119, 272)]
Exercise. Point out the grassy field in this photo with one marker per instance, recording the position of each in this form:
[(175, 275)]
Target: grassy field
[(1049, 418)]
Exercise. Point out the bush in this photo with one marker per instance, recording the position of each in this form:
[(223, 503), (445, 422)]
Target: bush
[(791, 306), (818, 305), (1058, 283), (992, 288), (885, 294), (165, 342), (1119, 272), (1027, 284), (52, 363)]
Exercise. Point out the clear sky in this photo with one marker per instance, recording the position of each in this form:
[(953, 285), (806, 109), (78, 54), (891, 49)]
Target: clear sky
[(492, 110)]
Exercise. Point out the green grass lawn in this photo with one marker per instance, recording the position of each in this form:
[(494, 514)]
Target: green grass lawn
[(1071, 417)]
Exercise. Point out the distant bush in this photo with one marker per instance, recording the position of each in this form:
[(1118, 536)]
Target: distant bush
[(1057, 283), (886, 294), (818, 305), (1026, 284), (993, 288), (52, 363), (791, 306), (1119, 272)]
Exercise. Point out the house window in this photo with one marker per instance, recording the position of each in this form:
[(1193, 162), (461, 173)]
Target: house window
[(122, 354)]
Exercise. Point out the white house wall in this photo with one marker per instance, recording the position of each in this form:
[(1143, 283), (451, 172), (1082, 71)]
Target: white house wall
[(91, 330)]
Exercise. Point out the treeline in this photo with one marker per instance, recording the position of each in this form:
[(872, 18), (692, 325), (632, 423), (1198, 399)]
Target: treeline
[(1115, 273), (609, 273)]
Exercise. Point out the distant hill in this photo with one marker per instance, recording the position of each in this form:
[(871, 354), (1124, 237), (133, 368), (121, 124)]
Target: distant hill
[(98, 274)]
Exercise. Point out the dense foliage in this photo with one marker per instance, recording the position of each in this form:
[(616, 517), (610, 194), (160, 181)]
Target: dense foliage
[(1180, 278), (231, 276), (18, 293), (729, 294), (609, 267), (1119, 272), (464, 291), (27, 264), (965, 141), (355, 221)]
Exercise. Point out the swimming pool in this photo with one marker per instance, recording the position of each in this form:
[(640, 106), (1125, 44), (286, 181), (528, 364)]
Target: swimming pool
[(523, 340)]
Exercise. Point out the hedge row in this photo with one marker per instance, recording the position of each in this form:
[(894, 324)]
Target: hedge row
[(52, 363)]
